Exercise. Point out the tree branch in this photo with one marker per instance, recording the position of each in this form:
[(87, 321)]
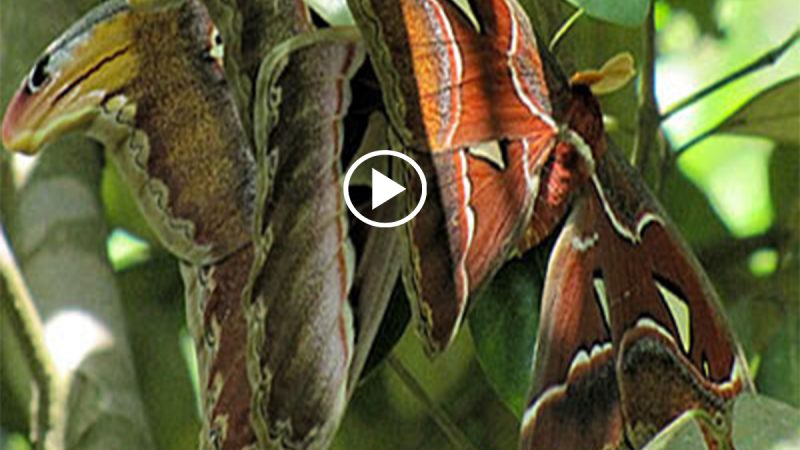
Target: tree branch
[(27, 326), (648, 118), (769, 58)]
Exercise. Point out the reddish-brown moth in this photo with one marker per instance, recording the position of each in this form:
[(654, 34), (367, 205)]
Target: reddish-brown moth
[(631, 333)]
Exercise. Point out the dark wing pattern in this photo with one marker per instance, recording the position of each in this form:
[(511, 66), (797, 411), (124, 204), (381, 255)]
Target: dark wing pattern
[(576, 402), (671, 349)]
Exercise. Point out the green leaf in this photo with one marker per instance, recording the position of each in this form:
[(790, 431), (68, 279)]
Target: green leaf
[(690, 210), (761, 423), (773, 113), (504, 321), (394, 324), (702, 12), (629, 13), (683, 433), (784, 165)]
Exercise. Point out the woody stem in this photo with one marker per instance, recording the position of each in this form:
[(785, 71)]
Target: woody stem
[(648, 117), (27, 326)]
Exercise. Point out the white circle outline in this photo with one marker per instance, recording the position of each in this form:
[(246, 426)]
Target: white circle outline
[(363, 159)]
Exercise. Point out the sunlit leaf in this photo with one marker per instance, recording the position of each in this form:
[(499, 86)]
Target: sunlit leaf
[(14, 442), (503, 323), (774, 113), (704, 13), (691, 211), (621, 12), (732, 171), (126, 250), (763, 262), (120, 207)]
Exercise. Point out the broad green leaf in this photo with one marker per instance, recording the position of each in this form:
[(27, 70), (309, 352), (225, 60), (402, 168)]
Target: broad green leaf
[(732, 171), (682, 434), (774, 113), (504, 321), (393, 325), (621, 12), (14, 442), (761, 423), (386, 414), (690, 210), (784, 165), (335, 12)]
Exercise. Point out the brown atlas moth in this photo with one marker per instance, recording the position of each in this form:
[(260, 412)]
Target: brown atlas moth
[(631, 333)]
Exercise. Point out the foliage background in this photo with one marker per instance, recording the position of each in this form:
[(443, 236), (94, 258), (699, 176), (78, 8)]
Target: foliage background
[(734, 198)]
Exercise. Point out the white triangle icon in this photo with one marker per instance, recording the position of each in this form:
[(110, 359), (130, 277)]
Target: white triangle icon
[(383, 189)]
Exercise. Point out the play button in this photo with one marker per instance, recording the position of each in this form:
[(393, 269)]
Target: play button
[(383, 188)]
